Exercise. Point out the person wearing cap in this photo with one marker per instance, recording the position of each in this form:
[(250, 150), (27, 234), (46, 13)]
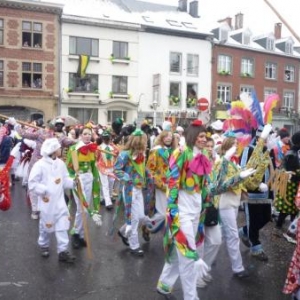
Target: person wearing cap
[(258, 199), (106, 156), (217, 136), (130, 169), (189, 166), (85, 151), (181, 138), (158, 166), (48, 179)]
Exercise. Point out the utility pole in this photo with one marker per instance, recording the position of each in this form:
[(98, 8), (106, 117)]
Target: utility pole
[(283, 20)]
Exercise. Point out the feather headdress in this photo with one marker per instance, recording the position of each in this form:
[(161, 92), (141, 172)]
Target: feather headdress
[(269, 104)]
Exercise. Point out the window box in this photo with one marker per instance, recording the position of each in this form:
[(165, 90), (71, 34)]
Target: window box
[(174, 100), (123, 60), (246, 75), (223, 72), (191, 102), (116, 95)]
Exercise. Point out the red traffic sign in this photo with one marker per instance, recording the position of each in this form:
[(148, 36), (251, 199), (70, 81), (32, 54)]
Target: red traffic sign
[(202, 104)]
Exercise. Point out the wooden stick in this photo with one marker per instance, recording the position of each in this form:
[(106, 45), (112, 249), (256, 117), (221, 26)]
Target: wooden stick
[(20, 122), (80, 194)]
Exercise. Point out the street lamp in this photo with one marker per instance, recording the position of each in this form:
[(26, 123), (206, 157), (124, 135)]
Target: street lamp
[(155, 105)]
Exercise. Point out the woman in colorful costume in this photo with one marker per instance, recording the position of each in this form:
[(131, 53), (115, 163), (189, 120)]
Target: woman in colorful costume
[(89, 179), (158, 166), (188, 170), (130, 169)]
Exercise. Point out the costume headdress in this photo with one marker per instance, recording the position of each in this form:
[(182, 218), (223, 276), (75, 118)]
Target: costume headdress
[(49, 146)]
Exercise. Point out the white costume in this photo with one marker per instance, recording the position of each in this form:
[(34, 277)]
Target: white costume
[(48, 179)]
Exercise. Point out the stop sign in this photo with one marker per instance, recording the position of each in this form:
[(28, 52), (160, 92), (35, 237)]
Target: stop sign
[(202, 104)]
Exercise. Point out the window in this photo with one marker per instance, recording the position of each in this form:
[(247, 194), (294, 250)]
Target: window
[(288, 99), (119, 85), (114, 114), (288, 48), (120, 50), (224, 64), (268, 92), (175, 93), (83, 115), (289, 74), (88, 84), (191, 97), (247, 67), (32, 75), (1, 31), (246, 38), (224, 93), (192, 64), (85, 46), (32, 34), (223, 34), (246, 89), (270, 44), (1, 73), (175, 62), (270, 71)]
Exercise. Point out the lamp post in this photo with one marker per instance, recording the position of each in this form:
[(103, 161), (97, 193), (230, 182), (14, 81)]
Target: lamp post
[(155, 105)]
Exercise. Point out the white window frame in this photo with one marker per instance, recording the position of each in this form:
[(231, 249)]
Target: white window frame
[(192, 64), (270, 44), (224, 63), (175, 98), (1, 73), (176, 58), (269, 91), (288, 99), (113, 114), (247, 66), (1, 31), (246, 89), (224, 93), (289, 73), (74, 46), (288, 47), (271, 71), (120, 50), (246, 38)]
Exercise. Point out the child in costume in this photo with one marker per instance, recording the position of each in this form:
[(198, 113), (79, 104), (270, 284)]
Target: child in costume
[(89, 181), (130, 169), (48, 179), (106, 157), (188, 170)]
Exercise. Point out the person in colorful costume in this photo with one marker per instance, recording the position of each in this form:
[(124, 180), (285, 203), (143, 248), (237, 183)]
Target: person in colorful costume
[(130, 169), (158, 166), (89, 178), (286, 206), (48, 179), (105, 164), (292, 282), (258, 200), (188, 170)]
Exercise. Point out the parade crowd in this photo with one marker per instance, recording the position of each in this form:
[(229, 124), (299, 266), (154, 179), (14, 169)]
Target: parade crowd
[(189, 183)]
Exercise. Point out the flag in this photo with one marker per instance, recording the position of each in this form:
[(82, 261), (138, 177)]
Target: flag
[(83, 64)]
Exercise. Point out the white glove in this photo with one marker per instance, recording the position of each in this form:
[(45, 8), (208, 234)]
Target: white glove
[(97, 219), (15, 150), (246, 173), (266, 131), (230, 152), (29, 143), (263, 187), (128, 230), (201, 268)]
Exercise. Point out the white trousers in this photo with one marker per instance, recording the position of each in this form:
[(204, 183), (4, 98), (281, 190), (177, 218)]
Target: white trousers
[(160, 215), (107, 183), (62, 239), (33, 201), (231, 236), (137, 217), (189, 207), (87, 187)]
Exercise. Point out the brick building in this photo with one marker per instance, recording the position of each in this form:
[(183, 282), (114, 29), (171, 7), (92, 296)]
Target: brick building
[(29, 59)]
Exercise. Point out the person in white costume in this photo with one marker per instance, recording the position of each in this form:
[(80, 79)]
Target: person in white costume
[(48, 179)]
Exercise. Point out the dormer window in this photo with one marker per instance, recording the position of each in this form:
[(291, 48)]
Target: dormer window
[(288, 47), (270, 44), (246, 38), (223, 34)]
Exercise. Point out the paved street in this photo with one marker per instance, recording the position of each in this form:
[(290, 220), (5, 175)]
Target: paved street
[(114, 273)]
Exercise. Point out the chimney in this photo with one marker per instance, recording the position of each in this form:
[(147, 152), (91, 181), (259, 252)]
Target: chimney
[(182, 5), (194, 9), (277, 31), (239, 21), (227, 20)]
